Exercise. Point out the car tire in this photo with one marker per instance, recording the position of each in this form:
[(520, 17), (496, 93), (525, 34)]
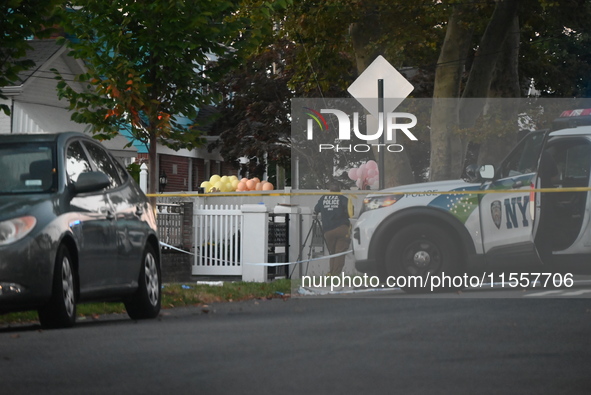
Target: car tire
[(145, 302), (60, 312), (422, 250)]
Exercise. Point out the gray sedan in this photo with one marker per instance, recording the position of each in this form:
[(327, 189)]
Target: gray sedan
[(74, 227)]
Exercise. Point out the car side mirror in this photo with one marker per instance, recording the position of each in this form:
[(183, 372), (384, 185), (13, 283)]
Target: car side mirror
[(487, 172), (91, 181)]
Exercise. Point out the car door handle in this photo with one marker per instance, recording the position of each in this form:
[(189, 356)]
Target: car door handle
[(139, 211)]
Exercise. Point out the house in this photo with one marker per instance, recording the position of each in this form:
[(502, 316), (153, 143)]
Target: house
[(35, 106), (185, 170)]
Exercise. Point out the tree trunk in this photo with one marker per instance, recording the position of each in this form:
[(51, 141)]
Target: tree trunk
[(448, 151), (153, 167), (445, 113), (397, 167), (505, 85)]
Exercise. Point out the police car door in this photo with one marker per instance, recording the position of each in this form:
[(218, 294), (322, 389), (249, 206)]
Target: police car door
[(561, 219), (505, 215)]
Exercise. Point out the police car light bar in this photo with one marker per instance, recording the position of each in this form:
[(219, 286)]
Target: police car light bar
[(576, 113), (572, 119)]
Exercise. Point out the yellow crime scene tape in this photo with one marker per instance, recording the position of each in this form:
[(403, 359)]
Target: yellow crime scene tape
[(364, 193)]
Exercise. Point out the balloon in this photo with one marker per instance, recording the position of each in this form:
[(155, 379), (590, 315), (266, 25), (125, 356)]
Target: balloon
[(256, 179), (215, 178), (233, 178), (267, 186), (219, 186), (259, 186), (234, 183), (250, 185), (240, 187), (371, 164), (224, 179), (371, 173), (353, 174), (359, 183), (206, 185)]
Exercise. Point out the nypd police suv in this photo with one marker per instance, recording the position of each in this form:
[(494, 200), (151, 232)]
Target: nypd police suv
[(530, 213)]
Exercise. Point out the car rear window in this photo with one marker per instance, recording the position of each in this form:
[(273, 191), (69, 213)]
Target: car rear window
[(26, 168)]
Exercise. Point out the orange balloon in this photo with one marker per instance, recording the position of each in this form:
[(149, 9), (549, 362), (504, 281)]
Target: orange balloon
[(250, 185), (259, 186), (256, 179), (267, 186)]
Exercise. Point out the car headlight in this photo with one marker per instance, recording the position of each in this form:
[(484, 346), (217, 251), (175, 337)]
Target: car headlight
[(379, 201), (15, 229)]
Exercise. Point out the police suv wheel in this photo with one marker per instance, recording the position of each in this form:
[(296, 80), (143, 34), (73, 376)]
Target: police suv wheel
[(420, 251)]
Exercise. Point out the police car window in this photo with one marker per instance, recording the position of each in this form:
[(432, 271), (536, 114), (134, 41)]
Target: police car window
[(76, 162), (104, 164), (524, 159), (573, 159)]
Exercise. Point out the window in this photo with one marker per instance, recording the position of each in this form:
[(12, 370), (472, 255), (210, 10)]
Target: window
[(26, 168), (76, 162), (104, 163), (524, 159)]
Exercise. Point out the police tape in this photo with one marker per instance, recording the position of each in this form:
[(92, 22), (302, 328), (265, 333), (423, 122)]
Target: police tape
[(296, 262), (175, 248), (396, 192), (267, 263)]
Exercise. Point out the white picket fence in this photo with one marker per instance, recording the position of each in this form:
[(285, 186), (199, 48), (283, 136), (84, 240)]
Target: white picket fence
[(218, 231)]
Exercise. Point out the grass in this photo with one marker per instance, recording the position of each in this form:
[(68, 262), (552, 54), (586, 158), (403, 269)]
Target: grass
[(177, 295)]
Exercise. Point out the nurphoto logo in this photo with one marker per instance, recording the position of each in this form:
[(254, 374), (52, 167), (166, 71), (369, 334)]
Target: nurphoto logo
[(345, 127)]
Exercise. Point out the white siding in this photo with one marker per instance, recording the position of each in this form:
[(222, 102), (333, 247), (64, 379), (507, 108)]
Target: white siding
[(4, 119)]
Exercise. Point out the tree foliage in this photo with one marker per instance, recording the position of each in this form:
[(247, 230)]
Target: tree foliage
[(253, 119), (21, 20), (145, 66)]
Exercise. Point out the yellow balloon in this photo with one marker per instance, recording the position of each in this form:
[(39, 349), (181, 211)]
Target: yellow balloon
[(220, 186), (229, 187), (224, 179), (215, 178), (232, 178), (205, 185), (234, 183)]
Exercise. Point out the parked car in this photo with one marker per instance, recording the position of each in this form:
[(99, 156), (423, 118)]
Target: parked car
[(495, 219), (74, 227)]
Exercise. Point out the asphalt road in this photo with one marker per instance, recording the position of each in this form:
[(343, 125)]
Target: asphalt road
[(347, 344)]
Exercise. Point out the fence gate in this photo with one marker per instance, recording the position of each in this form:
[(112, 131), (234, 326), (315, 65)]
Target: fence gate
[(217, 240), (170, 223)]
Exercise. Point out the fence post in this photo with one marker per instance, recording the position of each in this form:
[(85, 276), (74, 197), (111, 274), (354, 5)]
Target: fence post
[(144, 178), (187, 227), (255, 238)]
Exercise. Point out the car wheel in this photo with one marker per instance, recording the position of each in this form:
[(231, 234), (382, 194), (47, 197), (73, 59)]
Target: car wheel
[(145, 302), (60, 312), (420, 251)]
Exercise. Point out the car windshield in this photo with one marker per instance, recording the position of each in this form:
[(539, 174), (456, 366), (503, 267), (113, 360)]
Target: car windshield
[(26, 168)]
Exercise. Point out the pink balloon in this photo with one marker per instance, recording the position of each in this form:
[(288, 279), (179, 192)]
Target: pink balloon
[(353, 174), (359, 183), (371, 173), (371, 164)]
